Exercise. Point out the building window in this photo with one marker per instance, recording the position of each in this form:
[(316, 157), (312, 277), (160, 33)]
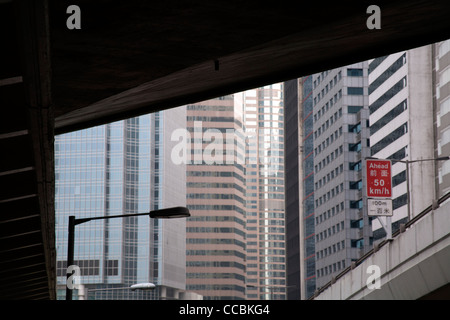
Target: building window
[(445, 107), (388, 95), (354, 109), (394, 135), (444, 47), (387, 74), (375, 63), (357, 224), (354, 128), (355, 72), (355, 147), (388, 117), (358, 204), (355, 166), (444, 77), (359, 243), (356, 185), (355, 91)]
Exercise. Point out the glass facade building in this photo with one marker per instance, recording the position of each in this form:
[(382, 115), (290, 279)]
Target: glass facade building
[(299, 175), (292, 179), (114, 169), (266, 256), (307, 207)]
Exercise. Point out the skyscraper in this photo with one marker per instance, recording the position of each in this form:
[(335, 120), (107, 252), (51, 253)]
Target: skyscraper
[(294, 146), (216, 249), (401, 127), (384, 108), (341, 142), (299, 173), (441, 88), (266, 258), (333, 126), (114, 169)]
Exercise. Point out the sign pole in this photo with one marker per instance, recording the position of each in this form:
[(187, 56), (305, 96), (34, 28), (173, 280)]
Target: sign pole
[(408, 195), (386, 226)]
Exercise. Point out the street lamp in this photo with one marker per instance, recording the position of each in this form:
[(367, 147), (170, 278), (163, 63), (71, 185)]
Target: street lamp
[(168, 213), (143, 286), (139, 286), (407, 162)]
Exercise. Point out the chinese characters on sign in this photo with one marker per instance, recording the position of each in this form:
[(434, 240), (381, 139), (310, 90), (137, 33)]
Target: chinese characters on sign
[(379, 186), (378, 207), (378, 173)]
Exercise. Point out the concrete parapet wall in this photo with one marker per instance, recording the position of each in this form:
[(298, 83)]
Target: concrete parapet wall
[(414, 264)]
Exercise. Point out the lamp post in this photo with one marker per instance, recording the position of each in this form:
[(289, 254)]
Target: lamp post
[(168, 213), (139, 286), (407, 162)]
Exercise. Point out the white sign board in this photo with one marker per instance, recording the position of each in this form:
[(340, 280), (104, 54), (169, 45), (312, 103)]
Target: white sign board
[(379, 207)]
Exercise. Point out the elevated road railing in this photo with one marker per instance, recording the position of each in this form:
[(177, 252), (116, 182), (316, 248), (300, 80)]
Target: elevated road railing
[(377, 247)]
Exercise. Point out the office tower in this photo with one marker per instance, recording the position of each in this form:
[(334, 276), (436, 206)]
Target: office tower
[(299, 175), (293, 177), (441, 81), (299, 161), (401, 128), (333, 129), (116, 169), (264, 127), (216, 234), (307, 221), (341, 142)]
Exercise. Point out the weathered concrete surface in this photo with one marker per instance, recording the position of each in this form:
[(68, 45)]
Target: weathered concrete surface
[(414, 264)]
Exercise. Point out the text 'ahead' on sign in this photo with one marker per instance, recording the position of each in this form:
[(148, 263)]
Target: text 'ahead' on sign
[(378, 177)]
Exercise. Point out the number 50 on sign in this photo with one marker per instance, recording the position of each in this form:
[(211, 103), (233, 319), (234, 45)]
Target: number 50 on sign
[(378, 175)]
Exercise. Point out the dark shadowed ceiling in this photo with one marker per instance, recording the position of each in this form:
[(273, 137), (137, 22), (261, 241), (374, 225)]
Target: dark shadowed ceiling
[(171, 53)]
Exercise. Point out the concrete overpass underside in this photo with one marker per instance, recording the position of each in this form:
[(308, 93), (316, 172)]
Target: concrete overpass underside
[(135, 57)]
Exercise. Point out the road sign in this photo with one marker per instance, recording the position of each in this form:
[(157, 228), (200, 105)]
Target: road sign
[(379, 207), (378, 178)]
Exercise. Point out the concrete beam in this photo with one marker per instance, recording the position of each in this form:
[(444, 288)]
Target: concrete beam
[(34, 43)]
